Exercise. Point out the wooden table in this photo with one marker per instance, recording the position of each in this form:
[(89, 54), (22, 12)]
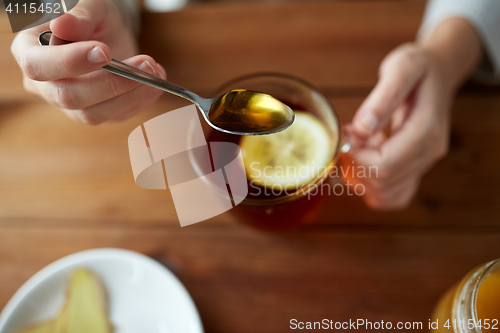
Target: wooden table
[(65, 187)]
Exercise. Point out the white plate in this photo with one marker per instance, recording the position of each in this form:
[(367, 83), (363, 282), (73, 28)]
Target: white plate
[(144, 297)]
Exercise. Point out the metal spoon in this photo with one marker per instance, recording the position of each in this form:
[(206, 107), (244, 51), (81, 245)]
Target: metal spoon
[(239, 112)]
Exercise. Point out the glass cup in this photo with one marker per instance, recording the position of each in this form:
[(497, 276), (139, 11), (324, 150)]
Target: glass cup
[(299, 206), (472, 305)]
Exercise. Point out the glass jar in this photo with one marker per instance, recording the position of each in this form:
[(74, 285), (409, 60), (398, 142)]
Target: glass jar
[(459, 310)]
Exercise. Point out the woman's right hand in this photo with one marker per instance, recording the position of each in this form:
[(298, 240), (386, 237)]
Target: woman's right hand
[(68, 76)]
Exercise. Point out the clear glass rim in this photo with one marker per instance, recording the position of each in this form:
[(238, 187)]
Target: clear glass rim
[(306, 189), (465, 303)]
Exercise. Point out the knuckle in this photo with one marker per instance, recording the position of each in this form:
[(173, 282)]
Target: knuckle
[(389, 200), (384, 174), (442, 150), (375, 203), (64, 99), (65, 67), (384, 65), (14, 45), (405, 199), (113, 86), (383, 200), (403, 202), (28, 85), (408, 59), (389, 93), (86, 118), (438, 143), (389, 204), (27, 67), (379, 185), (434, 133)]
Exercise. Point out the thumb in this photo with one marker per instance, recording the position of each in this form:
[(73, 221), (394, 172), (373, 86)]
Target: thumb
[(80, 22), (400, 73)]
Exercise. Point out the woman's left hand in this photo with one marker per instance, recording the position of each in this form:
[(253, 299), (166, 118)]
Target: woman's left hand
[(414, 95)]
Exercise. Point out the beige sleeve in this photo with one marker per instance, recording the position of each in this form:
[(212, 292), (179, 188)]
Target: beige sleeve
[(484, 15)]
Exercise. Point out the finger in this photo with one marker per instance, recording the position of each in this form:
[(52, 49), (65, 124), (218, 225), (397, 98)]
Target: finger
[(26, 39), (356, 142), (399, 75), (81, 22), (46, 63), (419, 140), (121, 107), (402, 112), (385, 188), (383, 178), (398, 197), (399, 117), (145, 102), (117, 109), (34, 32), (124, 106), (395, 196), (83, 91), (135, 101), (163, 72), (422, 137)]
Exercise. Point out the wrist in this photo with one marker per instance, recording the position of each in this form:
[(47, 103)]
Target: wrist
[(457, 47)]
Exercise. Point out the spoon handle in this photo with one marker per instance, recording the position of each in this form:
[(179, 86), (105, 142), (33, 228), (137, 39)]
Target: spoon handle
[(132, 73), (119, 68)]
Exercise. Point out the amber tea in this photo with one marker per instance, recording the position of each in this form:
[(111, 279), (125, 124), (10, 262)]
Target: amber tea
[(281, 168)]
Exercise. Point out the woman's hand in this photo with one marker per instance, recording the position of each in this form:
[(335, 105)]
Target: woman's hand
[(414, 95), (68, 76)]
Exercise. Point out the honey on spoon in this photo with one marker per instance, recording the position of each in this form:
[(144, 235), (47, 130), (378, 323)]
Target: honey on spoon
[(239, 112)]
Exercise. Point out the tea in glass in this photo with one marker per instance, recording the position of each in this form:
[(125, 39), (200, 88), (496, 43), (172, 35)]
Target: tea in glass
[(282, 168)]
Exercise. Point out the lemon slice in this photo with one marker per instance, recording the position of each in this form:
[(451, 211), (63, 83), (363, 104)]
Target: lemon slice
[(289, 159)]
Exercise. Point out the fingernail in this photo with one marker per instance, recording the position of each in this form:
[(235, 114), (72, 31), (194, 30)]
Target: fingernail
[(368, 123), (147, 67), (97, 56)]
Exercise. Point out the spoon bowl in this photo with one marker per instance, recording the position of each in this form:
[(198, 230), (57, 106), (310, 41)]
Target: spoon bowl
[(239, 112), (251, 112)]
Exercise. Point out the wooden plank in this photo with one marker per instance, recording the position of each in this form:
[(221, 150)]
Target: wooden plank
[(333, 44), (244, 281), (62, 170)]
